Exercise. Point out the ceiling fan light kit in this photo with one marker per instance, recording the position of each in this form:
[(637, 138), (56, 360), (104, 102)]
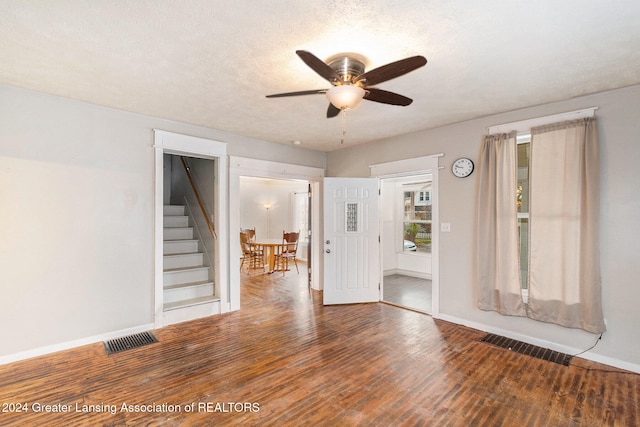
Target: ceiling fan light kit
[(345, 97)]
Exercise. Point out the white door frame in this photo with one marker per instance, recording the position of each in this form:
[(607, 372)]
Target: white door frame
[(242, 166), (174, 143), (419, 166)]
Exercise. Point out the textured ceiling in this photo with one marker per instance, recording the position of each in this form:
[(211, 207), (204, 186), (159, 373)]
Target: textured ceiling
[(211, 63)]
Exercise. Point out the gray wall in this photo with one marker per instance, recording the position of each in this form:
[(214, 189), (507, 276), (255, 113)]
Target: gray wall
[(76, 216), (619, 127)]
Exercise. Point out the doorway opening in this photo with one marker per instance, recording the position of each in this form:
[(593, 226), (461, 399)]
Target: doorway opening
[(270, 207), (255, 168), (407, 261), (189, 281)]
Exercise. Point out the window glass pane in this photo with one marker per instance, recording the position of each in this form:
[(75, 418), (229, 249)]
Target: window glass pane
[(408, 206), (523, 177), (301, 202), (523, 235), (417, 237), (417, 218), (524, 147), (417, 205)]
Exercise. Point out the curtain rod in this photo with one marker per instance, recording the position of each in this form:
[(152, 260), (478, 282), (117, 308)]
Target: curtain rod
[(526, 125)]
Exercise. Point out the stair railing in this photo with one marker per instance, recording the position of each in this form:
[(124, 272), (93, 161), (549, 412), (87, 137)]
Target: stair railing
[(195, 190)]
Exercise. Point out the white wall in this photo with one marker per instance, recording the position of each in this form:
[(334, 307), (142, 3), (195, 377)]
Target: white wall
[(76, 218), (619, 129)]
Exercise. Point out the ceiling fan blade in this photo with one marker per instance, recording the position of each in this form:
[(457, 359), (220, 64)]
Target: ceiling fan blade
[(386, 97), (332, 111), (319, 66), (390, 71), (302, 92)]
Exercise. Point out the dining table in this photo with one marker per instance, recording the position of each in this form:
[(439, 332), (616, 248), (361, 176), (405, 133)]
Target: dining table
[(270, 247)]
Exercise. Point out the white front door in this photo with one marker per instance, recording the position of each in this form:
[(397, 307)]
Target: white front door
[(351, 241)]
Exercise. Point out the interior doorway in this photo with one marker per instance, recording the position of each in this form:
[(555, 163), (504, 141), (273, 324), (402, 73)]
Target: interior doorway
[(406, 227), (214, 155), (272, 206), (246, 167)]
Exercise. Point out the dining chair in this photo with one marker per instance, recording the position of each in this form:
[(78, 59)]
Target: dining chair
[(250, 252), (288, 250), (251, 233)]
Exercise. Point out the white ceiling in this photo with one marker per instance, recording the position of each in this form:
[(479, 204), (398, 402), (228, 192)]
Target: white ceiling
[(211, 63)]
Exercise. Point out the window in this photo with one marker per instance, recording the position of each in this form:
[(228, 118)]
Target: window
[(301, 214), (417, 217), (522, 200), (538, 210)]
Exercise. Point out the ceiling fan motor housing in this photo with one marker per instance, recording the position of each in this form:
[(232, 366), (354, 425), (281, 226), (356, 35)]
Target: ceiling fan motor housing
[(347, 67)]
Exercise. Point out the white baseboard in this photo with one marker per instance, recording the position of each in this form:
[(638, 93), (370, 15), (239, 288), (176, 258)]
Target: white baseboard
[(621, 364), (72, 344), (407, 273)]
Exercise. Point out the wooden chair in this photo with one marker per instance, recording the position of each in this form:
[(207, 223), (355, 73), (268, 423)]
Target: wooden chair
[(250, 252), (288, 250), (251, 233)]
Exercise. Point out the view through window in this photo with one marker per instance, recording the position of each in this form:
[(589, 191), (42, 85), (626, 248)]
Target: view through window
[(417, 217), (524, 147)]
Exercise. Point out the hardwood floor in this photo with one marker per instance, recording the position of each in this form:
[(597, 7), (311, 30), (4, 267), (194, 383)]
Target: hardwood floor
[(285, 359)]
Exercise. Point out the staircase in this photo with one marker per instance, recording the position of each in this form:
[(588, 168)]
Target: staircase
[(188, 291)]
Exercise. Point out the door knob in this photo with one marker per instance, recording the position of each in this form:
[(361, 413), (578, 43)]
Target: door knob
[(328, 241), (328, 251)]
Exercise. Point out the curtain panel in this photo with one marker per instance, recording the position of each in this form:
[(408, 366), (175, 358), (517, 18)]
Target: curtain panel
[(497, 251), (564, 260)]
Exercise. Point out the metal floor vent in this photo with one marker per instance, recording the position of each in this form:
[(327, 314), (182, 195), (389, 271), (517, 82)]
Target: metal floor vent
[(528, 349), (131, 341)]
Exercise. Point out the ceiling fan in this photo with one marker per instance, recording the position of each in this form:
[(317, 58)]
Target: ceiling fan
[(351, 83)]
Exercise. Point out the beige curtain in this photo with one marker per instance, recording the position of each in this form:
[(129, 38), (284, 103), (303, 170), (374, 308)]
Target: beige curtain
[(497, 239), (564, 267)]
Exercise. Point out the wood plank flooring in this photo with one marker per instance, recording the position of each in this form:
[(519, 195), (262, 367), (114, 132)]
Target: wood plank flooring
[(286, 360)]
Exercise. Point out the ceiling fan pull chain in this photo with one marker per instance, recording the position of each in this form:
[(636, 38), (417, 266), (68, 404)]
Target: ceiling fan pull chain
[(344, 125)]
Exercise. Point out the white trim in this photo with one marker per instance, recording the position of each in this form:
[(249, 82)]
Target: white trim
[(175, 143), (542, 343), (526, 125), (72, 344), (405, 167), (269, 169)]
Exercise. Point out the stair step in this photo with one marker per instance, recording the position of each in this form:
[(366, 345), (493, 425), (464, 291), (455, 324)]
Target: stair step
[(174, 247), (173, 210), (175, 276), (175, 221), (184, 285), (189, 303), (178, 233), (191, 259), (187, 291)]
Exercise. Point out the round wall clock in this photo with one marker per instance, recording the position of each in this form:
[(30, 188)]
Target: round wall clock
[(462, 167)]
